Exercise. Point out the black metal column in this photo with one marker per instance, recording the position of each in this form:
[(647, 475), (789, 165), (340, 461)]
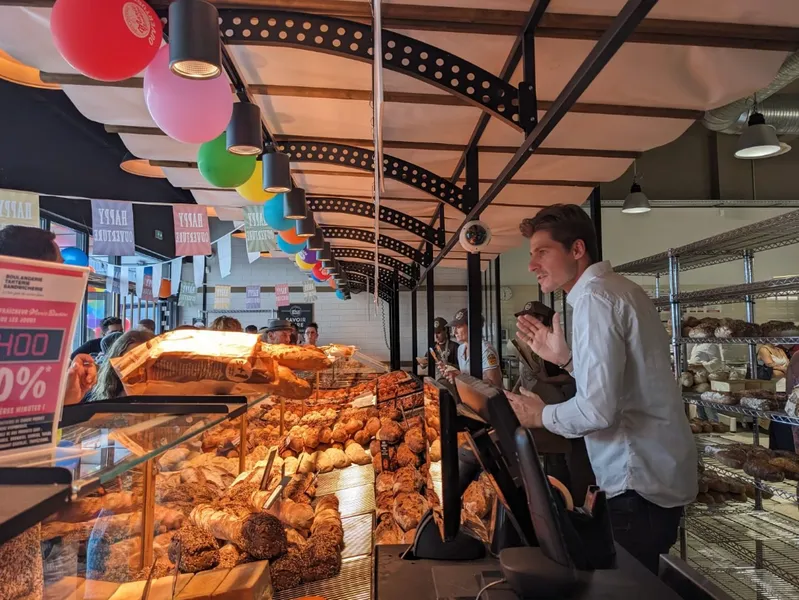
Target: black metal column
[(414, 335), (595, 205), (395, 294), (498, 309), (392, 343), (431, 309), (473, 279)]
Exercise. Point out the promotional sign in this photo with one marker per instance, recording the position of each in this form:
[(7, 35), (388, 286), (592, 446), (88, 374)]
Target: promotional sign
[(260, 237), (35, 340), (282, 297), (188, 294), (253, 298), (300, 314), (112, 228), (191, 230), (19, 208), (222, 297), (309, 290), (147, 287)]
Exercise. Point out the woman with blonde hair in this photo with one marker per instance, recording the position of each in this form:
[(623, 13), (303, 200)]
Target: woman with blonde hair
[(108, 384), (225, 323)]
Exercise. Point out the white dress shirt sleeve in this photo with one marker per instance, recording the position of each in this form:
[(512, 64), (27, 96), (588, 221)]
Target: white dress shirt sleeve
[(599, 351)]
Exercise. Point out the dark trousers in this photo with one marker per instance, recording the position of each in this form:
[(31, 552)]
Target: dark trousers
[(644, 529)]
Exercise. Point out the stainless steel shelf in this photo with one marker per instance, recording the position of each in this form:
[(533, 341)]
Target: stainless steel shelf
[(776, 232), (737, 409), (743, 340), (730, 294)]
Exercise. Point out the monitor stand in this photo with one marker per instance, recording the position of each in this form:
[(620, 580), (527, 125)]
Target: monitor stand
[(533, 575), (428, 543)]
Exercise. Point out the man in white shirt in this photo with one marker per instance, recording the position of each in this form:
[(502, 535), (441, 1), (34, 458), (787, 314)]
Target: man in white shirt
[(627, 405)]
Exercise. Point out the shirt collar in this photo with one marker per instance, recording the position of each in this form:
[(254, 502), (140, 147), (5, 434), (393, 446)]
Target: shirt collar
[(596, 270)]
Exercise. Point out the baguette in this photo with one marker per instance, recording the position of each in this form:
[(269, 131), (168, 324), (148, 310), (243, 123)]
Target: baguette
[(301, 358)]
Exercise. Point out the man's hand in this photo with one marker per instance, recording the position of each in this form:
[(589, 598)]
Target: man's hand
[(450, 373), (548, 344), (529, 408), (81, 377)]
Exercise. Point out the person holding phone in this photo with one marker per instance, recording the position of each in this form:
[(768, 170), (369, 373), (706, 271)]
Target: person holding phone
[(492, 373), (445, 352)]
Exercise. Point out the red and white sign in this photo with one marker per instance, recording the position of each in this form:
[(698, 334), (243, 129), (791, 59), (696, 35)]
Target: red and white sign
[(282, 297), (39, 306), (191, 230)]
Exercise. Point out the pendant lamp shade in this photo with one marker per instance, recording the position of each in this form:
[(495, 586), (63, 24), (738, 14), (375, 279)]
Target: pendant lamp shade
[(141, 167), (277, 172), (305, 228), (244, 134), (316, 242), (758, 140), (636, 201), (194, 47), (325, 255), (294, 206)]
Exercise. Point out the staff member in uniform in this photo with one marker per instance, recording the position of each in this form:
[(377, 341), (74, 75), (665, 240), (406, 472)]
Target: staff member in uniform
[(446, 349), (628, 406), (491, 371), (278, 331)]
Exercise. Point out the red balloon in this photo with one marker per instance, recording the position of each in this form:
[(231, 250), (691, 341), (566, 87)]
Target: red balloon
[(318, 273), (108, 40)]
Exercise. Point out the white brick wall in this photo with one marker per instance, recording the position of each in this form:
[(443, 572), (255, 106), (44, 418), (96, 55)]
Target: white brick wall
[(348, 322)]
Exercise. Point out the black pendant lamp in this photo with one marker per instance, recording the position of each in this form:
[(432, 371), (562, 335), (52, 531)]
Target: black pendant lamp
[(325, 255), (244, 135), (194, 47), (277, 172), (316, 242), (305, 228), (294, 206)]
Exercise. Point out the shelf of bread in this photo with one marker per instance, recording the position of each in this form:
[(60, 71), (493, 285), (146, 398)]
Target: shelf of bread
[(728, 403), (775, 472)]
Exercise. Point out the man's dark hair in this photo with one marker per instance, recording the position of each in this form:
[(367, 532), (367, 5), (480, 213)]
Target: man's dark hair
[(566, 223), (148, 324), (251, 329), (108, 321), (28, 242), (314, 325)]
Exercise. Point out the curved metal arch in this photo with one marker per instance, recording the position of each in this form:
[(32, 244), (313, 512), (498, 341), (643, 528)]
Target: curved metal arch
[(367, 285), (403, 54), (411, 270), (386, 275), (388, 215), (393, 168), (361, 235)]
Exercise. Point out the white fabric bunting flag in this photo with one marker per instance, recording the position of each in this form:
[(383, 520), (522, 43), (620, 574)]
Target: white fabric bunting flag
[(253, 256), (158, 271), (124, 276), (139, 281), (199, 270), (175, 271), (224, 253)]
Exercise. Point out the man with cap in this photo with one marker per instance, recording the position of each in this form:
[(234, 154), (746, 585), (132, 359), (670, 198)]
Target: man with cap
[(491, 369), (278, 331), (446, 349)]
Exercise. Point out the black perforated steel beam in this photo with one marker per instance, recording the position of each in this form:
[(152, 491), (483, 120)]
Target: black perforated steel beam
[(386, 275), (366, 283), (394, 168), (403, 54), (410, 270), (389, 216), (368, 237)]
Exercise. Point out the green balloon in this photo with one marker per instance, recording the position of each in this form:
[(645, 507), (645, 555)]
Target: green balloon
[(220, 167)]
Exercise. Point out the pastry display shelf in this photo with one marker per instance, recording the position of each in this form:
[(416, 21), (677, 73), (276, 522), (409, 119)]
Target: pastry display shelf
[(730, 294), (776, 232), (101, 449), (784, 489), (788, 340), (737, 409)]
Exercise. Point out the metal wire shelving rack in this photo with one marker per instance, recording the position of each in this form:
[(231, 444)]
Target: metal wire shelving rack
[(737, 409)]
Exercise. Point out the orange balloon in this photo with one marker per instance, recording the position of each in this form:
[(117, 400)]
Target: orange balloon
[(290, 236), (332, 283)]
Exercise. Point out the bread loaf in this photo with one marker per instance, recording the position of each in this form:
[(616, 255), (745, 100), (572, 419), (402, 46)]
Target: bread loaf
[(357, 454), (790, 468), (762, 469), (731, 458)]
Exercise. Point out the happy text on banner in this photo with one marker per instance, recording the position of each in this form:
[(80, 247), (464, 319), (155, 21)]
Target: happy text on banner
[(191, 230), (282, 297), (260, 237), (19, 208), (112, 228), (188, 294), (222, 297), (253, 298)]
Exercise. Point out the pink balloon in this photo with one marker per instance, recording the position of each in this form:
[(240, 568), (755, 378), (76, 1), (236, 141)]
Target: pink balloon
[(192, 111)]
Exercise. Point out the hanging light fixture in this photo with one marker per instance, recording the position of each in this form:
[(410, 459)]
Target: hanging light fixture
[(194, 47), (239, 235), (758, 140), (244, 135), (316, 242), (141, 167), (277, 172), (325, 255), (294, 206), (266, 255), (305, 228), (636, 201)]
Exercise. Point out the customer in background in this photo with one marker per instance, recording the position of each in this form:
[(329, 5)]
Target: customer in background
[(446, 349), (92, 347), (627, 405), (147, 324), (311, 334), (38, 244), (278, 331), (109, 385), (294, 339), (225, 323), (106, 343), (708, 356), (251, 329), (491, 370)]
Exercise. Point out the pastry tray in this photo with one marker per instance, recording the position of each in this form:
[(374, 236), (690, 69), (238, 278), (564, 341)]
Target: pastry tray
[(356, 500), (354, 582), (340, 479), (358, 535)]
